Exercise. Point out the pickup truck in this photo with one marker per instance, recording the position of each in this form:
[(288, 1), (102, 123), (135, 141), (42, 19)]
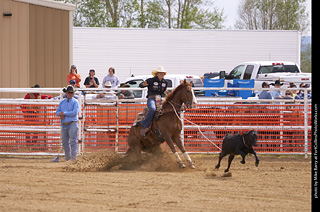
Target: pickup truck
[(267, 71), (173, 81)]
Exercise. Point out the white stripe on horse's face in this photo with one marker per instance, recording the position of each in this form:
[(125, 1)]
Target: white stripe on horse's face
[(194, 100)]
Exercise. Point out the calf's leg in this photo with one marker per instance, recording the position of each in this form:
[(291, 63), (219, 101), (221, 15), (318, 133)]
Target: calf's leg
[(255, 155), (243, 155), (229, 162), (221, 155)]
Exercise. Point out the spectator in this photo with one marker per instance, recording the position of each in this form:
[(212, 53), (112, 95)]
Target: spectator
[(31, 114), (37, 95), (73, 84), (276, 94), (300, 94), (74, 75), (289, 95), (68, 110), (112, 78), (91, 81), (294, 92), (265, 94), (108, 94), (125, 94)]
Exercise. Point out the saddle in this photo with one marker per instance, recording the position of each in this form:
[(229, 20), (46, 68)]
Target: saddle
[(141, 116), (157, 115)]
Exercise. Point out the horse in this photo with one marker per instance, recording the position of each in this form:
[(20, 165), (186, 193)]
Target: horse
[(167, 127)]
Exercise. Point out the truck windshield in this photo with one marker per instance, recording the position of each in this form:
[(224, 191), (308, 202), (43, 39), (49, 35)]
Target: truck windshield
[(236, 72), (278, 69)]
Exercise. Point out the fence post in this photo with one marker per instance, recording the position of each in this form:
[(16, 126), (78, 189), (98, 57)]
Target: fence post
[(116, 148), (83, 122), (305, 123), (80, 115)]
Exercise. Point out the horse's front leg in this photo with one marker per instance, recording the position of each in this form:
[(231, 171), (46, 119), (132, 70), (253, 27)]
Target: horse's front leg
[(178, 141), (178, 159)]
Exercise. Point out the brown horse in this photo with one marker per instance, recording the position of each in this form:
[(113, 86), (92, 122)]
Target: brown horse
[(167, 127)]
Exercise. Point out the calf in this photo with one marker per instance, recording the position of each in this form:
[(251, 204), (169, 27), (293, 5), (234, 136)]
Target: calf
[(240, 144)]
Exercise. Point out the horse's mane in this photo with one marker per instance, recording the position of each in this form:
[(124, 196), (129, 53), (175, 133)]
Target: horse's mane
[(170, 96)]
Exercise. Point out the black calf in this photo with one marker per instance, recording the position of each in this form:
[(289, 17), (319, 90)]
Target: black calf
[(238, 145)]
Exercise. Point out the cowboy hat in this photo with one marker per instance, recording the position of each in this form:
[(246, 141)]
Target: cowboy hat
[(277, 82), (69, 89), (108, 84), (159, 70)]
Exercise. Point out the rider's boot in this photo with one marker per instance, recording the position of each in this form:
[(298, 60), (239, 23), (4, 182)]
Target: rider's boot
[(143, 131)]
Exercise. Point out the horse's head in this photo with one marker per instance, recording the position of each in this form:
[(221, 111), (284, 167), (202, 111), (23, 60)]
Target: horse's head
[(183, 94), (187, 95)]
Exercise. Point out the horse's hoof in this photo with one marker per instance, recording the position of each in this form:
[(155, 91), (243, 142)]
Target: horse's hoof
[(191, 165), (182, 165)]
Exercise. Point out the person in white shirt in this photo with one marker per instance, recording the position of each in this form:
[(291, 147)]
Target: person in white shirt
[(112, 78), (107, 94)]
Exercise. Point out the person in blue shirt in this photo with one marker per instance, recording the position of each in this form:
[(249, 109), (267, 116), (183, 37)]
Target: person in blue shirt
[(68, 110), (265, 94), (276, 94)]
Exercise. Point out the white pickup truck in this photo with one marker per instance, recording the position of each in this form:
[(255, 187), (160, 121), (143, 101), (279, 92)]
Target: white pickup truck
[(173, 81), (267, 71)]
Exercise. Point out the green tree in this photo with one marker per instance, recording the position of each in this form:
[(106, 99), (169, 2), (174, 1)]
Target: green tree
[(272, 15), (306, 57), (182, 14)]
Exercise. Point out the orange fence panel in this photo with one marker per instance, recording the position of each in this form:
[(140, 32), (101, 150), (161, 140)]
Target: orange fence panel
[(34, 128)]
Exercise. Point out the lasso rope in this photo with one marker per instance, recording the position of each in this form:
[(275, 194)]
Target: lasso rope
[(194, 125)]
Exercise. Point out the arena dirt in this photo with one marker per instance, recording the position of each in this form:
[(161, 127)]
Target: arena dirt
[(104, 181)]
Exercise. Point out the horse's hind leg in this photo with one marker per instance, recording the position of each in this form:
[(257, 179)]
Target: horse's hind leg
[(135, 147)]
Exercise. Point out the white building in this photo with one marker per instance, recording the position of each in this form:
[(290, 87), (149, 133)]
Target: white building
[(139, 51)]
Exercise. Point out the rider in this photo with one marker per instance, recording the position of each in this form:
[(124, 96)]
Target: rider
[(156, 86)]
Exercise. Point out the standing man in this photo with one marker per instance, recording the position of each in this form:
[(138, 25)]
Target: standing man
[(68, 112), (112, 78), (156, 86)]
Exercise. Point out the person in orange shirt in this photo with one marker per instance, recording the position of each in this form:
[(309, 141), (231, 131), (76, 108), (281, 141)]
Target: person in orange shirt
[(74, 75)]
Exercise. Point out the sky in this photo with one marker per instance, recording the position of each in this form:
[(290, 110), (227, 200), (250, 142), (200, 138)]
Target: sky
[(231, 11)]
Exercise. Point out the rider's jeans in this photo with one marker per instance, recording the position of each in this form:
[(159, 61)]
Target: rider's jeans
[(151, 103)]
